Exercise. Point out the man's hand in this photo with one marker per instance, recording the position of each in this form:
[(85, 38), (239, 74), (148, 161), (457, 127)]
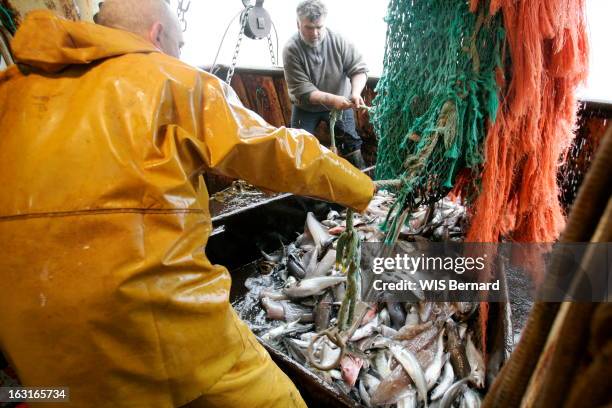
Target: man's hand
[(330, 101), (358, 82), (357, 100), (340, 102)]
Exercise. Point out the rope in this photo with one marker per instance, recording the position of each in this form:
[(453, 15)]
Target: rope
[(397, 183), (348, 256), (334, 116), (337, 337)]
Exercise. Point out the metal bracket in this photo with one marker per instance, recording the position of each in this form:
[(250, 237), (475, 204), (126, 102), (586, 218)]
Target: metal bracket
[(258, 23)]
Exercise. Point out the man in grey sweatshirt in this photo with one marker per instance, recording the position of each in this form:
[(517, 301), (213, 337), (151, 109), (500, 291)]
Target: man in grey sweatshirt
[(324, 72)]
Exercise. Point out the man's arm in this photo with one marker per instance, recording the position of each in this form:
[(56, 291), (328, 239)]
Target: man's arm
[(236, 142), (298, 83), (330, 100), (358, 82)]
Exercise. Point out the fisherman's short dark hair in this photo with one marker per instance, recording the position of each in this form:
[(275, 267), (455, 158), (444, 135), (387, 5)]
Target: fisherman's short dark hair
[(311, 9)]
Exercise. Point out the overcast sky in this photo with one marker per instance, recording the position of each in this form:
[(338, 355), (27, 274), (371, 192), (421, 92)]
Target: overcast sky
[(362, 22)]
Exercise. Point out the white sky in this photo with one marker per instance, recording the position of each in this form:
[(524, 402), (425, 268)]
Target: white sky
[(362, 22)]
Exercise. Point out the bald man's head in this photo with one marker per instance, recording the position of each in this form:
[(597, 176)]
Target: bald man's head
[(151, 19)]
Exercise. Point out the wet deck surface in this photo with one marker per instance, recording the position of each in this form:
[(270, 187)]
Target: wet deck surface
[(220, 210), (520, 291)]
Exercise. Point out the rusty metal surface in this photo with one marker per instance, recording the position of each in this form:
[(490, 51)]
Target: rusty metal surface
[(70, 9)]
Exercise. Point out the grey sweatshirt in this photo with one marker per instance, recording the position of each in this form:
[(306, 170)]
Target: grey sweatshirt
[(326, 67)]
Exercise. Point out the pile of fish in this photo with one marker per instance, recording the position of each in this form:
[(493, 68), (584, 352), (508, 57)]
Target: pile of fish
[(399, 354)]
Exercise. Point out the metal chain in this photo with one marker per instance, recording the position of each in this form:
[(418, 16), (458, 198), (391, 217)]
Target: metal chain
[(181, 10), (232, 68), (271, 47)]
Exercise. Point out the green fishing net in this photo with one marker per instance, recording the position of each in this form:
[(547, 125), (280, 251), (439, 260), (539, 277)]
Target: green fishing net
[(437, 91)]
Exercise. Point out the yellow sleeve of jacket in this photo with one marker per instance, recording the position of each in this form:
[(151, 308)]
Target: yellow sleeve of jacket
[(241, 144)]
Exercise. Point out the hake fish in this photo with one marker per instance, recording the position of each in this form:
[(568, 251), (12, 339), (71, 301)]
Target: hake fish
[(312, 286)]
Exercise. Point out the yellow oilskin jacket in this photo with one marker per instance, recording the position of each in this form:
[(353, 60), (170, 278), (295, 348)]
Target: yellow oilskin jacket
[(104, 285)]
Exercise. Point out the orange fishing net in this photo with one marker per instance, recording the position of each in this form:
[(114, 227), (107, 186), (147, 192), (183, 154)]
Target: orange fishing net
[(519, 197), (547, 45)]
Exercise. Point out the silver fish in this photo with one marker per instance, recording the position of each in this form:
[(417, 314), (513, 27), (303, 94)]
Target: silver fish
[(363, 394), (386, 331), (307, 247), (312, 286), (409, 400), (418, 219), (297, 312), (367, 385), (308, 336), (465, 310), (310, 261), (445, 382), (381, 364), (383, 317), (373, 342), (366, 330), (432, 373), (412, 317), (477, 366), (301, 343), (335, 374), (329, 223), (452, 393), (304, 240), (318, 232), (290, 281), (274, 310), (462, 328), (295, 349), (425, 309), (285, 329), (392, 387), (410, 363), (341, 385), (339, 291), (370, 381), (272, 294), (423, 339), (284, 310), (329, 353), (332, 215), (471, 399), (275, 258), (410, 332), (434, 404), (326, 264)]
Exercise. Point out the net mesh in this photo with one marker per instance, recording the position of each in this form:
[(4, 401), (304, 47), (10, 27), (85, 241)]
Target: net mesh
[(437, 91)]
